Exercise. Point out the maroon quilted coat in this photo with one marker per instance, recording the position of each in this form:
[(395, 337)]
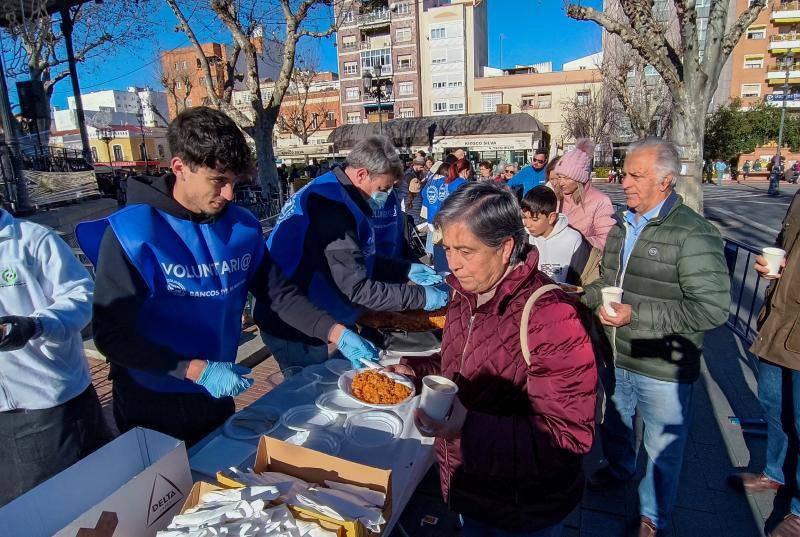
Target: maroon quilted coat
[(517, 464)]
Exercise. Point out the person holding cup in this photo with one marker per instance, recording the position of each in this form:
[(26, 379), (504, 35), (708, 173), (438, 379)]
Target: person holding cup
[(778, 349), (664, 282), (512, 401)]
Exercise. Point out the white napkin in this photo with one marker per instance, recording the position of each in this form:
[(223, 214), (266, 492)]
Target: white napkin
[(339, 509), (265, 493), (372, 497)]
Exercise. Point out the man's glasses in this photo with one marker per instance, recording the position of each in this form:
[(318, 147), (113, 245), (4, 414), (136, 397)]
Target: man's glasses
[(539, 161)]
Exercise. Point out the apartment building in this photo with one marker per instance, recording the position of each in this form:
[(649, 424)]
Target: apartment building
[(453, 52), (383, 41), (183, 78), (541, 95), (118, 107)]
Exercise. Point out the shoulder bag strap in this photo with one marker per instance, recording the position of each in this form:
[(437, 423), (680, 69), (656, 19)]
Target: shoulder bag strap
[(526, 312)]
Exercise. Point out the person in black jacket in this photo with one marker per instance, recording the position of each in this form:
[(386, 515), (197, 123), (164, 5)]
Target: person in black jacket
[(324, 243), (170, 328)]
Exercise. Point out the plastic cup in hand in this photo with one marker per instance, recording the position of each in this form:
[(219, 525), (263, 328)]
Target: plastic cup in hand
[(437, 396), (611, 294), (774, 257)]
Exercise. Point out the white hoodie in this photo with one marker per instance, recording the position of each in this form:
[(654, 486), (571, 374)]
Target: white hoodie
[(556, 250)]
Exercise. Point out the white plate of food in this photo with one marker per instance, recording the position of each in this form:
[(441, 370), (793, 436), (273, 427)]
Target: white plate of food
[(307, 418), (377, 388), (373, 428), (252, 422)]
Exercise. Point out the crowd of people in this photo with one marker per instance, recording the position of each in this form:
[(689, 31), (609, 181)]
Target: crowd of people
[(545, 366)]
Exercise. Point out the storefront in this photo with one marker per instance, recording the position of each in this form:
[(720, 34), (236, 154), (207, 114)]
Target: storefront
[(494, 137)]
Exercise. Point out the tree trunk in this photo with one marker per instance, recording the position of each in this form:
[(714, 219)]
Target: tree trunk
[(688, 124), (263, 129)]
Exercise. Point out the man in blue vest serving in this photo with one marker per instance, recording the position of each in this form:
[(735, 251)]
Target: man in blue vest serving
[(324, 242), (173, 272)]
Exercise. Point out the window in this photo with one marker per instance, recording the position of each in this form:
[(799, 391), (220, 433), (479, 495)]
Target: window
[(440, 106), (348, 42), (757, 32), (142, 151), (438, 57), (702, 27), (491, 100), (544, 100), (406, 112), (330, 116), (649, 70), (404, 62), (347, 17), (188, 103), (456, 107), (403, 8), (751, 90), (702, 3), (353, 117), (439, 84), (405, 88), (181, 65), (118, 155), (528, 101), (352, 94), (94, 155), (401, 35), (350, 68), (199, 64), (160, 152), (178, 84), (438, 33), (754, 62), (582, 97), (376, 58), (455, 84)]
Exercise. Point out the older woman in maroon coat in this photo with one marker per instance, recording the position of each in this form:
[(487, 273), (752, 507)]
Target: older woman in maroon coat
[(510, 451)]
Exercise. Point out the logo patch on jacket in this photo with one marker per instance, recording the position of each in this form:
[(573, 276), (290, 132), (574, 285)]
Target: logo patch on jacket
[(9, 277), (653, 251)]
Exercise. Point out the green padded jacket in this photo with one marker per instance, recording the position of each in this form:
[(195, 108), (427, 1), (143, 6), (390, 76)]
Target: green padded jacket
[(677, 284)]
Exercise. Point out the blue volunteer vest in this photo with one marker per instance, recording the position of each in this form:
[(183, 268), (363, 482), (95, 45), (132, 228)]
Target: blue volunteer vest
[(286, 241), (436, 191), (388, 222), (198, 277)]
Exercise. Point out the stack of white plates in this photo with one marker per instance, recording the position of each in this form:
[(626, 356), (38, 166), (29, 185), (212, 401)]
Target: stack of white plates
[(373, 428), (307, 418)]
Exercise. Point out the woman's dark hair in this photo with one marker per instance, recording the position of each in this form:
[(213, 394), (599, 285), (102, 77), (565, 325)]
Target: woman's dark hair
[(456, 168), (202, 136), (491, 213), (539, 200), (443, 169), (486, 164), (550, 167)]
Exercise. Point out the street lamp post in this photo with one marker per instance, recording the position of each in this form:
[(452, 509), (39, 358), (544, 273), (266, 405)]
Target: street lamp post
[(775, 177), (378, 87), (106, 134)]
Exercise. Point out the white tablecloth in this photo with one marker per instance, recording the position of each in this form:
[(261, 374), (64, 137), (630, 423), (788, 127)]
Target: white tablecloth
[(409, 457)]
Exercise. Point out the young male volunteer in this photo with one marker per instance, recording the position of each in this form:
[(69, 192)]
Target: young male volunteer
[(173, 272), (50, 416)]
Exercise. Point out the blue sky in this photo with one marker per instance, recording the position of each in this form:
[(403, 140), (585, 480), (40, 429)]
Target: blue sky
[(533, 30)]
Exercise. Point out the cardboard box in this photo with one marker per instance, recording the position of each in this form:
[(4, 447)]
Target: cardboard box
[(277, 456), (131, 487), (201, 487)]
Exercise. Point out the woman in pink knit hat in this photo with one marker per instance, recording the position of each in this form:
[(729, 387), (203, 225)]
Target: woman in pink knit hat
[(588, 210)]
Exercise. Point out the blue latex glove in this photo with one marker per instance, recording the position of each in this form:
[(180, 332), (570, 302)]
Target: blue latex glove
[(423, 275), (435, 298), (354, 347), (224, 379)]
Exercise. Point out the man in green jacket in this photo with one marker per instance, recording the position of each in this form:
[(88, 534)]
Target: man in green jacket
[(669, 262)]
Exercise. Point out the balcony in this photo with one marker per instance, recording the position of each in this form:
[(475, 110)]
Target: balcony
[(349, 47), (782, 43), (375, 43), (786, 12), (374, 19), (777, 74)]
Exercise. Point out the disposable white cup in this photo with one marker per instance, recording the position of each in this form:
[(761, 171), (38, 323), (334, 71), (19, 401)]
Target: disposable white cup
[(774, 257), (611, 294), (437, 396)]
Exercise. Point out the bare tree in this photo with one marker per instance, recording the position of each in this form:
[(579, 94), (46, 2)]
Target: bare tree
[(37, 44), (246, 21), (178, 86), (688, 56), (304, 109), (590, 114), (644, 99)]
